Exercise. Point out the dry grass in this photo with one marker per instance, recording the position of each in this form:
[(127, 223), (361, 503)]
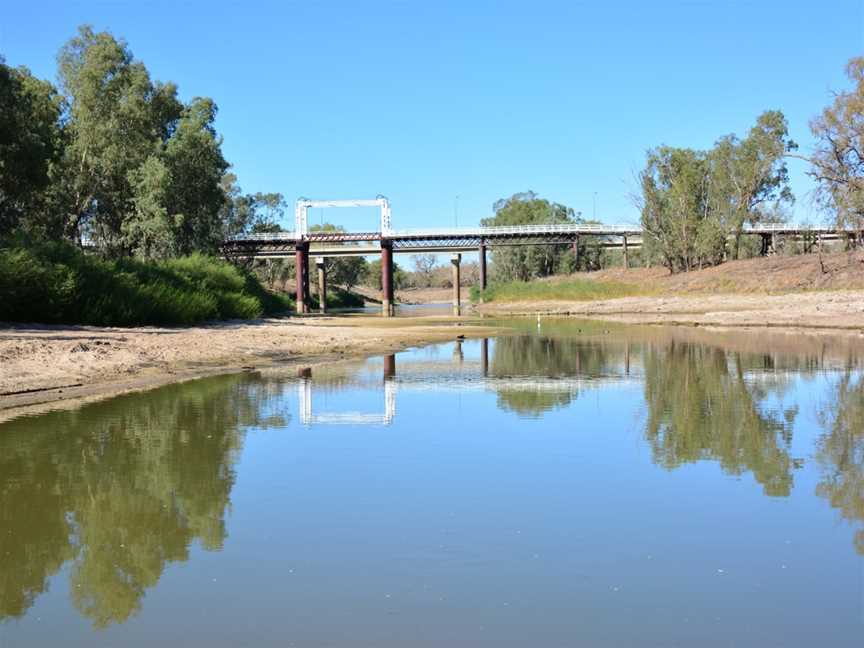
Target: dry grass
[(769, 275)]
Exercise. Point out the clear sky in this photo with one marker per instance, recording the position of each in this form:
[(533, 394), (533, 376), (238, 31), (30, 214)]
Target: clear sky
[(427, 101)]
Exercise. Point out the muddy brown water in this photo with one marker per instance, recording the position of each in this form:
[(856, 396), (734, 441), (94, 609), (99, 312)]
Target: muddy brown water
[(562, 484)]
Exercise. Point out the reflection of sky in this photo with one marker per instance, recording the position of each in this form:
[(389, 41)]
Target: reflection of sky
[(462, 523)]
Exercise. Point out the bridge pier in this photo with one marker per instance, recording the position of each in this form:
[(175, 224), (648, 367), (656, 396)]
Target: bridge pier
[(769, 244), (482, 263), (387, 306), (576, 253), (322, 284), (301, 267), (484, 357), (456, 259), (626, 259)]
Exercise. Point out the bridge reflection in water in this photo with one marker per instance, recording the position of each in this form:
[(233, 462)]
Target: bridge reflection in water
[(456, 376)]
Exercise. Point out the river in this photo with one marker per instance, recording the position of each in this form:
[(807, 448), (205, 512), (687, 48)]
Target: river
[(562, 484)]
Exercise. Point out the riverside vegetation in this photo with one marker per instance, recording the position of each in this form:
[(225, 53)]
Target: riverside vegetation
[(114, 162)]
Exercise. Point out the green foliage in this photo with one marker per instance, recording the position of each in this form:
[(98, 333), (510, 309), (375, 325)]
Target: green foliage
[(838, 160), (339, 298), (567, 290), (57, 283), (30, 142), (120, 489), (344, 271), (373, 275), (700, 407), (117, 159), (522, 263), (675, 196), (841, 453), (693, 201)]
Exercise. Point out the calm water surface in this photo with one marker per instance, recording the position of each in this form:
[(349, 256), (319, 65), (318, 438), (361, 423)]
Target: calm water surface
[(572, 485)]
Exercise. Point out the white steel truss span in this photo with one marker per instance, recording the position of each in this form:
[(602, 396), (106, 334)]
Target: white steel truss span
[(301, 212)]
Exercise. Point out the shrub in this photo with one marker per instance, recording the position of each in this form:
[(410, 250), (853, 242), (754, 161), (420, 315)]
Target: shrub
[(58, 283)]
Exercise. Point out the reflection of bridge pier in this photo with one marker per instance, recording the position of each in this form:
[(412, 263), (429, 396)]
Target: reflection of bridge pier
[(309, 417), (458, 355), (484, 357)]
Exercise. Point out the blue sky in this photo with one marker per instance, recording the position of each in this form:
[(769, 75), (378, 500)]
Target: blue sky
[(423, 102)]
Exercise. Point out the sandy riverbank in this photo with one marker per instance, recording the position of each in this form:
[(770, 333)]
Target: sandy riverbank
[(815, 310), (45, 364), (40, 364)]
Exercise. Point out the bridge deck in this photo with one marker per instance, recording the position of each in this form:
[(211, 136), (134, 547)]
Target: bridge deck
[(276, 244)]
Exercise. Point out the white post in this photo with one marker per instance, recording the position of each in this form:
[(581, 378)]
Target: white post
[(385, 215), (300, 217)]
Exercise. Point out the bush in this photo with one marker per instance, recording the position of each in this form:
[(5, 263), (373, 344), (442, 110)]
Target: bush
[(58, 283)]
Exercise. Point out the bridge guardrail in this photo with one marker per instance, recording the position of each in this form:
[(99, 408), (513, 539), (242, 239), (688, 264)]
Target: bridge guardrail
[(529, 230)]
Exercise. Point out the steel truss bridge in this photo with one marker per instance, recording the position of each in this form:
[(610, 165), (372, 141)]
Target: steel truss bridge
[(301, 243)]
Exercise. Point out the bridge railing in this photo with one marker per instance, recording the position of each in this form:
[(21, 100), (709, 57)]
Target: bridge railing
[(529, 230), (503, 230), (265, 236)]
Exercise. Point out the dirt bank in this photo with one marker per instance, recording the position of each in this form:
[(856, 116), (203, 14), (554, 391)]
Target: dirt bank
[(798, 291), (774, 274), (818, 310), (41, 364)]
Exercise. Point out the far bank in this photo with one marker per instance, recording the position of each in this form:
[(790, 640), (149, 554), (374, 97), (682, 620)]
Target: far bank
[(801, 291)]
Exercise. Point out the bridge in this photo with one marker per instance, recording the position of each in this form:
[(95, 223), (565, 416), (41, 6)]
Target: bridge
[(301, 243)]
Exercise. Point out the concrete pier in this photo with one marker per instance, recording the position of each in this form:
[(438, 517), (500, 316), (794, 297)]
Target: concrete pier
[(322, 284), (575, 245), (301, 266), (456, 260), (387, 305), (482, 263)]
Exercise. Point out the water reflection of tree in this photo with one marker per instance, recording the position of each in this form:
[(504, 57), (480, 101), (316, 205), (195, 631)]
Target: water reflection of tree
[(701, 407), (840, 453), (121, 488), (549, 357)]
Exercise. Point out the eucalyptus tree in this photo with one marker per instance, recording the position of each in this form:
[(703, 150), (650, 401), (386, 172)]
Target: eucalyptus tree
[(30, 144), (749, 178), (674, 204), (837, 164), (347, 271), (693, 201), (141, 170), (117, 119), (522, 263)]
